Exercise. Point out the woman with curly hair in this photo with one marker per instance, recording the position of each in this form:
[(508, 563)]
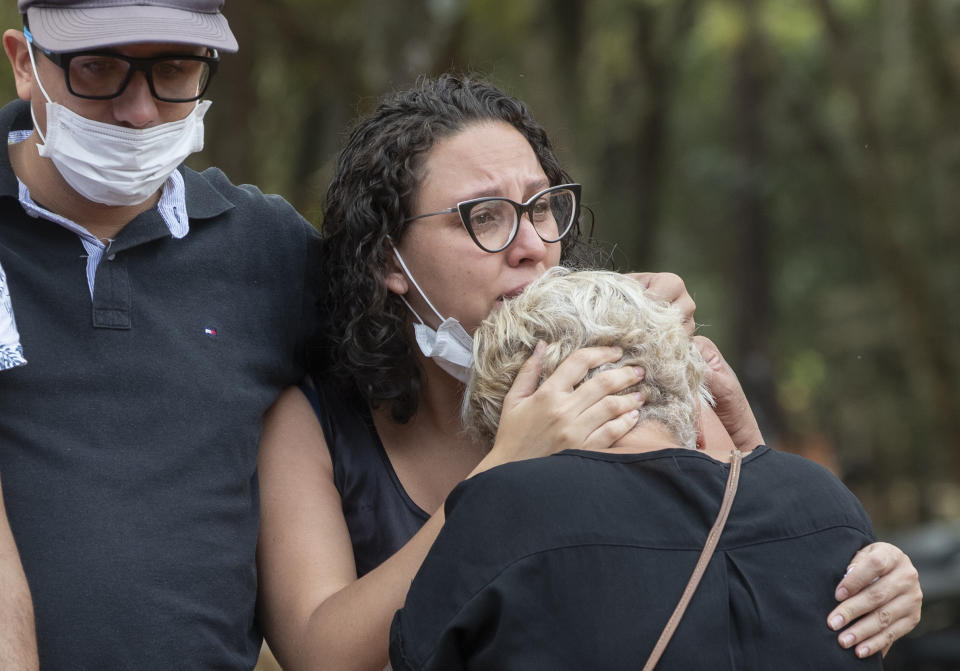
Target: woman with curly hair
[(446, 200)]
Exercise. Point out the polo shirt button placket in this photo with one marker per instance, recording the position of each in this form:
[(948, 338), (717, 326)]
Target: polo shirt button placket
[(112, 294)]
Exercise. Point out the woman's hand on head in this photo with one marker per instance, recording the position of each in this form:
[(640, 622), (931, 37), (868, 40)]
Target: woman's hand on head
[(670, 288), (562, 413), (732, 406), (881, 596)]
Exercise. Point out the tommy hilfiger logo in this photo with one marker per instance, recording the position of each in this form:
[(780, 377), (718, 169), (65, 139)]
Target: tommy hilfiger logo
[(212, 332)]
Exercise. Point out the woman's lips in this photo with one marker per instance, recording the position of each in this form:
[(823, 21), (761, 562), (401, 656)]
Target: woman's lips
[(513, 293)]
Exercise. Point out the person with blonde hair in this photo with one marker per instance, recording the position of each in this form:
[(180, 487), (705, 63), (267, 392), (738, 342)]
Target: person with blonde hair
[(590, 309), (576, 560)]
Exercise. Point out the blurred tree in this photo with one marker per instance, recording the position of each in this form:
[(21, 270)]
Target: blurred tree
[(795, 161), (751, 260)]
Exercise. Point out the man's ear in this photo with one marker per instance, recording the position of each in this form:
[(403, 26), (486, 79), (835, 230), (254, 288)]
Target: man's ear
[(395, 278), (17, 48)]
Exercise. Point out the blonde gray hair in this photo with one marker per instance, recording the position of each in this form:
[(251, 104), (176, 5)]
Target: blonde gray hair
[(573, 309)]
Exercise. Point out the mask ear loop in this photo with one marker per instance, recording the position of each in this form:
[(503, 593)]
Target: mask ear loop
[(414, 282), (410, 307), (33, 63)]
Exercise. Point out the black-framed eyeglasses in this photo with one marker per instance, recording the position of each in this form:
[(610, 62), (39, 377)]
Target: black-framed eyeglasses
[(102, 75), (493, 221)]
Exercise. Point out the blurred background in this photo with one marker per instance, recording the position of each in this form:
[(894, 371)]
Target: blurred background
[(797, 162)]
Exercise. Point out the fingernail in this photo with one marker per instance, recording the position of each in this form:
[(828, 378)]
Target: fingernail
[(634, 415), (638, 371), (842, 593), (863, 651), (846, 640), (847, 572), (539, 347), (639, 397), (836, 622)]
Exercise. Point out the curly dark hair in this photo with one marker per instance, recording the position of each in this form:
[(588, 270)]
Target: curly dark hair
[(366, 341)]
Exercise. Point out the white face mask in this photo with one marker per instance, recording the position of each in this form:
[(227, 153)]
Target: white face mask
[(111, 164), (450, 346)]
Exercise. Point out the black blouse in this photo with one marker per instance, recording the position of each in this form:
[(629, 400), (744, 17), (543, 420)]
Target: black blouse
[(576, 561)]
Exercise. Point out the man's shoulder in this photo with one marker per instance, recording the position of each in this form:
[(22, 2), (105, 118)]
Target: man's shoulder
[(217, 179), (210, 194)]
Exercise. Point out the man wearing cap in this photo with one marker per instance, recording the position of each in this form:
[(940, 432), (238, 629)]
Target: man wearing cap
[(161, 311)]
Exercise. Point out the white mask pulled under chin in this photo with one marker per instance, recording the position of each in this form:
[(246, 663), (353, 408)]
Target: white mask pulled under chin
[(450, 346), (111, 164)]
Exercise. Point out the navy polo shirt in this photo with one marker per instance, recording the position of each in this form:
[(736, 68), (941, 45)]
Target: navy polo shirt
[(128, 444)]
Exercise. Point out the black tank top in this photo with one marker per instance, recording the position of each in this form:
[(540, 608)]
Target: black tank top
[(380, 516)]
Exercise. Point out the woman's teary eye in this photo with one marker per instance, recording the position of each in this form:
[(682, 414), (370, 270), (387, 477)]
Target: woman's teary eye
[(480, 219)]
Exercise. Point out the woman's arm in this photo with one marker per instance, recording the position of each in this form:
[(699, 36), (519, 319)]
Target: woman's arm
[(18, 638), (880, 593), (881, 596), (315, 612)]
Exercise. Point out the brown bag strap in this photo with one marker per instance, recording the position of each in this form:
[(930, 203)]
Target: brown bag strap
[(712, 539)]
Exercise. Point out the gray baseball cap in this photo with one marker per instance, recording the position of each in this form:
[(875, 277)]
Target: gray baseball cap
[(75, 25)]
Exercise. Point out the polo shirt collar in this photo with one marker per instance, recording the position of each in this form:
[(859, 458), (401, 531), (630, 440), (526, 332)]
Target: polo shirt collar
[(13, 116), (203, 200)]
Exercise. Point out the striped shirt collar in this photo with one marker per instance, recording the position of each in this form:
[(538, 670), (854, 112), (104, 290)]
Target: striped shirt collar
[(172, 208)]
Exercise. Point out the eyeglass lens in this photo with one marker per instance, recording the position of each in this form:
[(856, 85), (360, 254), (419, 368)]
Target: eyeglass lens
[(494, 221), (103, 77)]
